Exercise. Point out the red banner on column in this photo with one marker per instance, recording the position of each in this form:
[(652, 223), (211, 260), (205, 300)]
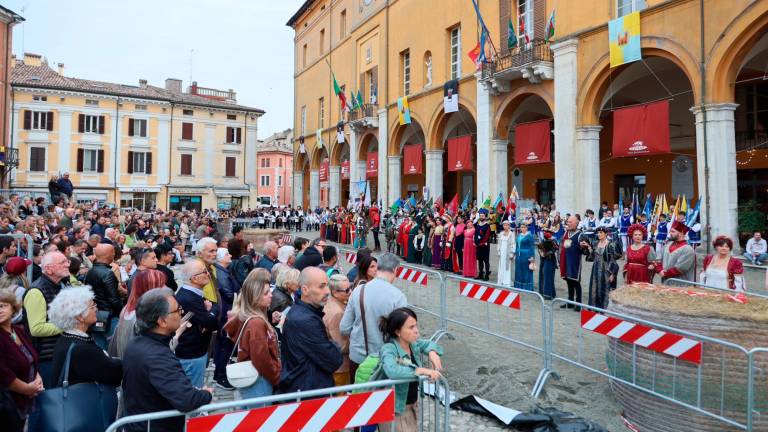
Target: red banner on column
[(372, 165), (641, 130), (532, 143), (460, 153), (345, 170), (412, 154), (324, 170)]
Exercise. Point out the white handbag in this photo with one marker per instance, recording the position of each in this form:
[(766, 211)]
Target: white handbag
[(241, 374)]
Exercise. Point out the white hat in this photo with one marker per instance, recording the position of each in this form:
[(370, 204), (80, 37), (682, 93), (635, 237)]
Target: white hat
[(221, 253)]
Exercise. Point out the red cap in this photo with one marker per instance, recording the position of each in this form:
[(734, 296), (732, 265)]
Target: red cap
[(679, 226), (16, 265)]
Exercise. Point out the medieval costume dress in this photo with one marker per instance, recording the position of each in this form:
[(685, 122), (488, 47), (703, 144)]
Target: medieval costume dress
[(437, 244), (426, 259), (402, 237), (505, 248), (448, 234), (547, 265), (638, 260), (604, 268), (469, 269), (458, 246), (679, 259), (730, 277), (344, 237), (482, 237), (525, 254)]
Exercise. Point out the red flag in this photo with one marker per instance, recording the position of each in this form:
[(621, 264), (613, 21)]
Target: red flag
[(324, 170), (453, 206), (641, 130), (372, 165), (460, 153), (474, 54), (412, 154), (345, 170), (532, 142)]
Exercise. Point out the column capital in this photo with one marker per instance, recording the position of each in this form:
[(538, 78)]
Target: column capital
[(567, 46), (585, 129), (334, 168), (392, 158), (434, 152), (714, 107), (499, 145)]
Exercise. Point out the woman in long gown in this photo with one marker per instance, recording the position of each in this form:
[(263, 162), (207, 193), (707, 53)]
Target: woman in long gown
[(505, 248), (458, 242), (603, 254), (640, 257), (437, 244), (524, 258), (429, 229), (470, 251), (344, 230), (547, 264), (411, 257)]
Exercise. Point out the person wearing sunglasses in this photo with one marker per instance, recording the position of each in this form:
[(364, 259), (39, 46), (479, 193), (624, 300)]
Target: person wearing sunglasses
[(334, 311)]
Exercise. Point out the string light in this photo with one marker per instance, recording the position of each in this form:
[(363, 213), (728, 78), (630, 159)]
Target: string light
[(750, 152)]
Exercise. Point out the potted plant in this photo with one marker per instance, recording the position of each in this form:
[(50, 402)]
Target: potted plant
[(751, 219)]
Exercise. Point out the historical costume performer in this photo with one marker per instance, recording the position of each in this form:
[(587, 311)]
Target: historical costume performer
[(571, 250), (624, 223), (412, 232), (437, 243), (662, 231), (640, 257), (482, 236), (505, 248), (548, 264), (722, 270), (458, 244), (402, 237), (449, 234), (469, 268), (679, 259), (361, 231), (603, 254), (524, 259)]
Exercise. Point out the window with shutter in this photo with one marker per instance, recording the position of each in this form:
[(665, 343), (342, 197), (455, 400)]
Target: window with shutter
[(231, 163), (81, 123), (130, 127), (186, 164), (100, 164), (27, 119), (130, 162), (80, 158), (186, 131), (88, 160), (101, 125), (37, 159), (49, 125), (148, 163)]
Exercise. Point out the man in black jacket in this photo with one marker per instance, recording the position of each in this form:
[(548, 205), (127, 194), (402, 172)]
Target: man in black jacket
[(193, 345), (153, 379), (104, 283), (165, 257), (309, 355), (312, 256)]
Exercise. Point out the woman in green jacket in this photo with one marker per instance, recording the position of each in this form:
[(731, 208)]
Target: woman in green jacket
[(400, 358)]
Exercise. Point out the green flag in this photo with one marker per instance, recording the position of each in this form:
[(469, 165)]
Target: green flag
[(359, 98), (487, 203), (511, 36)]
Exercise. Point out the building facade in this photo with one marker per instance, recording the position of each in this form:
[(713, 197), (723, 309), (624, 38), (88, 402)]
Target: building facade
[(134, 146), (706, 58), (274, 156), (8, 157)]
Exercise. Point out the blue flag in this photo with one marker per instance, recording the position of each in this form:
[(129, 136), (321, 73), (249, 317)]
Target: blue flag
[(648, 206), (465, 202), (693, 216)]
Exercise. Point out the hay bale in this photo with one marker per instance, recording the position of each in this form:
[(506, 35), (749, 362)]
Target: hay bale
[(723, 371), (260, 236)]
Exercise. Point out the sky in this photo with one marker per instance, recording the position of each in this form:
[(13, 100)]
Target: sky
[(239, 44)]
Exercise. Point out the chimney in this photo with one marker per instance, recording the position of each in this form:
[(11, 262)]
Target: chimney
[(142, 83), (61, 68), (173, 85), (231, 96), (33, 59)]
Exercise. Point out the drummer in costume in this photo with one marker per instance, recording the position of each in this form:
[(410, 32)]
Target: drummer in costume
[(678, 260), (625, 221), (662, 230)]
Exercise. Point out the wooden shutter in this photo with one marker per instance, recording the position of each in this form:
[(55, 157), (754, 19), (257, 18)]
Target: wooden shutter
[(186, 164), (80, 157), (144, 128), (186, 131), (100, 163), (37, 159), (239, 135), (375, 81), (148, 163), (130, 162), (130, 127), (49, 126), (27, 119), (230, 134), (230, 168), (81, 123), (101, 125), (361, 87)]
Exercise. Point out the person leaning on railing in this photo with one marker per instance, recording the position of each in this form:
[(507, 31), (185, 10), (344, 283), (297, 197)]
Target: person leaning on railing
[(400, 358)]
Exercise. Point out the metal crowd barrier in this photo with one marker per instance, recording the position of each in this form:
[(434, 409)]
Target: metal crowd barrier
[(344, 407), (758, 383), (28, 248), (689, 371)]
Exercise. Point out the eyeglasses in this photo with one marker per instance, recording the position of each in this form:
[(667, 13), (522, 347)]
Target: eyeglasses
[(204, 272), (179, 310)]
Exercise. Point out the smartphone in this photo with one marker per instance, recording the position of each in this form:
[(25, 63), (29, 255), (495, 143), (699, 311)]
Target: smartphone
[(188, 316)]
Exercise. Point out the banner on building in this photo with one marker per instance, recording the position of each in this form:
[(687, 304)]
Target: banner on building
[(412, 156), (532, 142), (404, 113), (302, 149), (451, 96), (324, 170), (460, 153), (641, 130), (319, 138), (372, 165), (340, 132), (357, 191), (624, 39), (345, 170)]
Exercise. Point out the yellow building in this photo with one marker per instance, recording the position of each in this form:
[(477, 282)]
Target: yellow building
[(707, 58), (135, 146)]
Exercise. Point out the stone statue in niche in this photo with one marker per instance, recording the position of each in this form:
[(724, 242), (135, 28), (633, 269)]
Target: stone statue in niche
[(428, 68)]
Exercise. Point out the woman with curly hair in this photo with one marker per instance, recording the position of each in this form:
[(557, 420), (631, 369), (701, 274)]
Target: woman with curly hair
[(640, 257)]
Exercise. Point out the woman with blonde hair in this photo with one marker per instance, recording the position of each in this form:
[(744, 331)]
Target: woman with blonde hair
[(255, 339)]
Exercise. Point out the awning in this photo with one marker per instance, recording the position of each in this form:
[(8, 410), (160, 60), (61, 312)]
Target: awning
[(232, 192), (139, 188), (189, 190)]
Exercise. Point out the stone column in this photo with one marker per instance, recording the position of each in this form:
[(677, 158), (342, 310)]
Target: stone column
[(566, 89), (435, 174), (334, 186), (716, 169), (383, 145), (587, 179), (499, 170), (353, 152), (314, 188), (298, 189), (484, 134), (395, 178), (361, 165)]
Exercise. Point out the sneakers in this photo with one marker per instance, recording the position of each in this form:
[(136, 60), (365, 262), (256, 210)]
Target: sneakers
[(224, 385)]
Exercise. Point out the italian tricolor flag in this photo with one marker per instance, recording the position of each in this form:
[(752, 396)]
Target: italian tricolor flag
[(339, 93), (549, 30)]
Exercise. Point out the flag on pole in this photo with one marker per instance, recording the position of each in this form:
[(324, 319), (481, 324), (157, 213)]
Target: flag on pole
[(511, 36), (487, 203), (647, 208), (521, 24), (675, 210), (396, 206), (499, 205), (367, 194), (664, 206), (465, 201), (453, 205), (684, 206), (621, 205), (635, 207), (694, 215), (360, 98), (549, 30), (477, 54), (337, 90)]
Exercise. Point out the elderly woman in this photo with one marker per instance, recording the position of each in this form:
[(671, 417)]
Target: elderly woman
[(73, 311), (603, 254), (286, 285), (18, 366), (722, 270)]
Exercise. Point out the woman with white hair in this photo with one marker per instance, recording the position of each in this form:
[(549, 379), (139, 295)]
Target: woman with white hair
[(73, 311), (228, 288)]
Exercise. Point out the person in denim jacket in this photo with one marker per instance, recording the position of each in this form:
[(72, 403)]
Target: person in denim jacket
[(400, 358)]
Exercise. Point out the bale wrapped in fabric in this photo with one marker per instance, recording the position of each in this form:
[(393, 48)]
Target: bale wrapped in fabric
[(718, 384)]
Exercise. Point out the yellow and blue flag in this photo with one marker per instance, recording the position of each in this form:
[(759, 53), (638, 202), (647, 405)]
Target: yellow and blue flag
[(624, 39), (404, 111)]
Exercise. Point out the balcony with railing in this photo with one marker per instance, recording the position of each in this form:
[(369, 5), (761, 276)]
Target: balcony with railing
[(365, 116), (211, 93), (532, 61), (751, 140), (11, 158)]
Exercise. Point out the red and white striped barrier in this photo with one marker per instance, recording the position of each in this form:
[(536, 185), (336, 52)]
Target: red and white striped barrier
[(315, 415), (490, 295), (287, 239), (655, 340), (351, 257), (412, 275)]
